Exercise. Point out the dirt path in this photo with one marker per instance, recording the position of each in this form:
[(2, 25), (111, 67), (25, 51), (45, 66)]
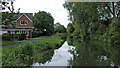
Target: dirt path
[(21, 42)]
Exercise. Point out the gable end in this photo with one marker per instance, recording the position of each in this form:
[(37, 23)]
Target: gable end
[(21, 16)]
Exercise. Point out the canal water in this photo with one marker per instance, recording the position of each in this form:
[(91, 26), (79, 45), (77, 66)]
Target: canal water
[(61, 56), (84, 53)]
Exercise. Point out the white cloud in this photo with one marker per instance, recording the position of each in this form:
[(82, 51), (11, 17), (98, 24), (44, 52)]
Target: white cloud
[(55, 7)]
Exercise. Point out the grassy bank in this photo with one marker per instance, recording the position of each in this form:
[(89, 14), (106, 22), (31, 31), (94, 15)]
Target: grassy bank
[(8, 42), (38, 38), (25, 54)]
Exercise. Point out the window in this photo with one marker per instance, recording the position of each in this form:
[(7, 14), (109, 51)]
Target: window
[(23, 22), (22, 31)]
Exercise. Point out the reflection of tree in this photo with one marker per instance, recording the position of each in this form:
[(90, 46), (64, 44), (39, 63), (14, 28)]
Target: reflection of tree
[(90, 53), (46, 56), (113, 52), (41, 58)]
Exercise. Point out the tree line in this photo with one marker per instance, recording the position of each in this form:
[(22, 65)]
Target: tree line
[(94, 20)]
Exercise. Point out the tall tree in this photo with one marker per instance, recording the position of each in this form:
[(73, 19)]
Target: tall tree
[(44, 22), (59, 28), (82, 14), (85, 14)]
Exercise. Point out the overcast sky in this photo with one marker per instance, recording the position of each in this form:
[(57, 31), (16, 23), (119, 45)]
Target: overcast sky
[(55, 7)]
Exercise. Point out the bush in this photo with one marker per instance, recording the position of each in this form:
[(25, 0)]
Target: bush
[(27, 49), (6, 36), (9, 37), (24, 52), (112, 36), (22, 36)]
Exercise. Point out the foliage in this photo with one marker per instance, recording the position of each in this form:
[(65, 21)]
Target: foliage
[(27, 49), (24, 52), (27, 53), (86, 16), (7, 17), (94, 53), (59, 28), (8, 5), (62, 35), (82, 14), (6, 36), (22, 36), (70, 28), (112, 35), (90, 20), (44, 22), (10, 37)]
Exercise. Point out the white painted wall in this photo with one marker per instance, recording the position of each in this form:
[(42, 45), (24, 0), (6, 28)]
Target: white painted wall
[(2, 32)]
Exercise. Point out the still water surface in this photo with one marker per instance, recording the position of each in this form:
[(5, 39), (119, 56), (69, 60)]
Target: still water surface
[(86, 53), (61, 56)]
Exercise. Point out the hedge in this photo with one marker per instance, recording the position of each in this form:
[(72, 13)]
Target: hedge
[(10, 37)]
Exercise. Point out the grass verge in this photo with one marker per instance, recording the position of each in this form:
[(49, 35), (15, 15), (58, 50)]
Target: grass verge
[(38, 38), (8, 42)]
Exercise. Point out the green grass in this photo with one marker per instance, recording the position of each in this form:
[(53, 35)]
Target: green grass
[(8, 42), (42, 51), (53, 40), (38, 38)]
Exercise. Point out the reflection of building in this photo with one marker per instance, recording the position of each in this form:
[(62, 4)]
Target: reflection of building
[(23, 24)]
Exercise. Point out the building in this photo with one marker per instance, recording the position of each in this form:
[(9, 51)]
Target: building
[(23, 24)]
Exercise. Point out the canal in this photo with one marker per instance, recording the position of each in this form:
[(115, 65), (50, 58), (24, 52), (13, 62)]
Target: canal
[(61, 56), (84, 53)]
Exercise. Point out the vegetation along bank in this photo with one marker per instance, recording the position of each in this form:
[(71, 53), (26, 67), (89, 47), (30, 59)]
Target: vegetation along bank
[(27, 53)]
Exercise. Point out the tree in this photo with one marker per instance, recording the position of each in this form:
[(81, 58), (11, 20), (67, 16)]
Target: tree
[(85, 15), (7, 17), (59, 28), (115, 11), (82, 14), (70, 28), (8, 4), (44, 22)]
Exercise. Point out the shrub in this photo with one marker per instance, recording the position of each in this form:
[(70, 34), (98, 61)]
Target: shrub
[(24, 52), (6, 36), (10, 37), (22, 36), (112, 36), (27, 49)]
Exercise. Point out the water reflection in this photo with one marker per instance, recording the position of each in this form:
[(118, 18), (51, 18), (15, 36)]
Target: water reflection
[(75, 52), (60, 58), (94, 53)]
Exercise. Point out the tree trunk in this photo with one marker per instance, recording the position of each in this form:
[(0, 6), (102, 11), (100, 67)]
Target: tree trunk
[(113, 8)]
